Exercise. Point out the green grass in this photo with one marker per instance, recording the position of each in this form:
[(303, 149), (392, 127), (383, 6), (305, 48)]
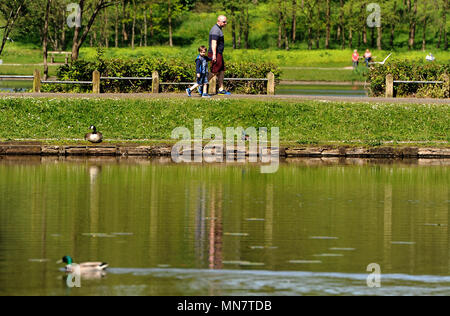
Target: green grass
[(26, 70), (292, 58), (300, 122), (18, 53)]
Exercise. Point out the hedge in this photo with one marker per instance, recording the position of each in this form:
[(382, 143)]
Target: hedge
[(410, 71), (170, 70)]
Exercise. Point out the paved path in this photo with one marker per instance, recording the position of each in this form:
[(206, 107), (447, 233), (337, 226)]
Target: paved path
[(323, 83), (293, 98), (318, 68)]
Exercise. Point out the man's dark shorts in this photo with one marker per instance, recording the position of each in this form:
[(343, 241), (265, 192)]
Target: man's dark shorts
[(217, 66)]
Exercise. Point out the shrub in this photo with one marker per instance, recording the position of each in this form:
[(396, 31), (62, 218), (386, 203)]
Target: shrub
[(170, 70), (410, 71)]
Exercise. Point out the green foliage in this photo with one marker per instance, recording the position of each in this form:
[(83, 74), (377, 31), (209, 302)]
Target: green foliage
[(410, 71), (169, 69)]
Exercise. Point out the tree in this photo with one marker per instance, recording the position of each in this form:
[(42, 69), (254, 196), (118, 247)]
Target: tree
[(11, 12), (80, 33), (444, 22), (328, 22), (412, 13), (47, 13)]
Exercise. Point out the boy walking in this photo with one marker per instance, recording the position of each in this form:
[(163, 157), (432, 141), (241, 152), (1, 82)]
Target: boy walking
[(202, 73)]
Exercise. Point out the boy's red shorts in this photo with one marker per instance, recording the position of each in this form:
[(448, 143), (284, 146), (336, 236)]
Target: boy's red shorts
[(217, 66)]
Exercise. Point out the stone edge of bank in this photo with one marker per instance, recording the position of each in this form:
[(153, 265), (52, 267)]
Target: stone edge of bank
[(162, 150)]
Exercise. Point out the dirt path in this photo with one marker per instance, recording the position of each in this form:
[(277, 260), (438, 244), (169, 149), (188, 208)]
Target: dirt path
[(293, 98)]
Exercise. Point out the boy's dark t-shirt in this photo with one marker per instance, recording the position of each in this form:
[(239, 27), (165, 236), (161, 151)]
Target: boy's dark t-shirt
[(216, 34)]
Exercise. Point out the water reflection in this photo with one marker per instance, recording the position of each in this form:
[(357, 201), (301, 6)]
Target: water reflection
[(211, 229)]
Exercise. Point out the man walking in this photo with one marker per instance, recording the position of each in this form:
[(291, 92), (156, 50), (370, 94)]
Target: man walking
[(215, 52)]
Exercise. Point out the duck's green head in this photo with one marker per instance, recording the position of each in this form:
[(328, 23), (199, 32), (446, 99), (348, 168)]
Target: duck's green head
[(67, 259)]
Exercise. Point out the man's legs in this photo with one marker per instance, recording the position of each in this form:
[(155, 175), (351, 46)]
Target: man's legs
[(220, 77)]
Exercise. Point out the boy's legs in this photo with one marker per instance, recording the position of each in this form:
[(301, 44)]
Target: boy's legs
[(189, 90)]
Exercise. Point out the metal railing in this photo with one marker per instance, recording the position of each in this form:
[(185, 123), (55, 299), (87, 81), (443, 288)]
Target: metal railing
[(15, 77)]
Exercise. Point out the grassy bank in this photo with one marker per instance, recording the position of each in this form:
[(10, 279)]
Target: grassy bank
[(306, 122)]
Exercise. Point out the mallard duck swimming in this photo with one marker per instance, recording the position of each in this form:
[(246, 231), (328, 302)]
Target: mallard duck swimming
[(85, 267), (94, 137)]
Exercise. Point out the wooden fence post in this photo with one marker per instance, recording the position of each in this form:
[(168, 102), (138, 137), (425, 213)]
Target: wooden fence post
[(270, 83), (389, 86), (212, 89), (96, 82), (155, 82), (37, 81), (446, 86)]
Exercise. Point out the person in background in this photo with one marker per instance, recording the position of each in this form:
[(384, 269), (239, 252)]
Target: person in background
[(367, 57), (355, 59), (430, 57), (215, 53), (201, 68)]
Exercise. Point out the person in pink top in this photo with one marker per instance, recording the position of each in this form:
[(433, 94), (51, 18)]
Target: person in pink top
[(355, 59), (367, 57)]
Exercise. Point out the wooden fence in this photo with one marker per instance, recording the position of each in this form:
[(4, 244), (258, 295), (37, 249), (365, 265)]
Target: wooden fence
[(156, 83), (390, 84)]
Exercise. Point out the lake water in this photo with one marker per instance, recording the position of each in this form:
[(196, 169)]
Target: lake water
[(312, 228), (16, 85)]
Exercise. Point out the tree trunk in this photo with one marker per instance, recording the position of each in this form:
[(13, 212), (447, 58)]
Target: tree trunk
[(412, 25), (79, 40), (285, 31), (444, 21), (341, 22), (317, 39), (170, 22), (63, 31), (379, 38), (152, 33), (145, 28), (392, 35), (124, 28), (391, 41), (240, 34), (372, 37), (327, 36), (45, 35), (76, 35), (233, 29), (309, 37), (106, 32), (294, 20), (438, 45), (247, 28), (280, 24), (116, 29), (133, 28), (364, 35), (350, 37), (424, 35)]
